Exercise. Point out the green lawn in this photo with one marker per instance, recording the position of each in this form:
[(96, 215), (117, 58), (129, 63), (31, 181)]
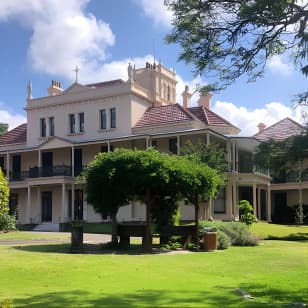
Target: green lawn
[(22, 235), (274, 231), (275, 273)]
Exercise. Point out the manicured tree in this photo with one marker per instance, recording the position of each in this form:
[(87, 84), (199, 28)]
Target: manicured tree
[(197, 183), (246, 212), (109, 183), (152, 178)]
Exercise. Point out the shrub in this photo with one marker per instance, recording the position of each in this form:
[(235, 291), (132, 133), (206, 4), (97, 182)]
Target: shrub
[(172, 244), (7, 222), (246, 212), (238, 233), (223, 241)]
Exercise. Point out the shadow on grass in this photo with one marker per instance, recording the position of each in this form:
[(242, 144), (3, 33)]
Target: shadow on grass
[(290, 237), (264, 297), (87, 249)]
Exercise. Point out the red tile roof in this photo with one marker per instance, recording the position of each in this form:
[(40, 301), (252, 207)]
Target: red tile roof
[(208, 116), (280, 130), (164, 115), (115, 82), (16, 135)]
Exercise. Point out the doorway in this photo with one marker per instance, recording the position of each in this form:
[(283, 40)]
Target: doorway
[(46, 198)]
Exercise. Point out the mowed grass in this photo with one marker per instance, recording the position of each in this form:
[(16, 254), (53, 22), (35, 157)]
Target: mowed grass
[(24, 235), (275, 231), (274, 273)]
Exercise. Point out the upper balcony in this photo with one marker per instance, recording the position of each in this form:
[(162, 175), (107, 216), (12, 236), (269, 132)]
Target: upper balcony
[(52, 171)]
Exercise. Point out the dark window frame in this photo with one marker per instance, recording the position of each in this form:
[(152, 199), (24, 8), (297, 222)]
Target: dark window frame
[(81, 122), (72, 123), (113, 118), (43, 127), (103, 119), (51, 126)]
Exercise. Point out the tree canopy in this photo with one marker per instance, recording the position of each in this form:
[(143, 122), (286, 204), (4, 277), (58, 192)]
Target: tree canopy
[(113, 179), (235, 37)]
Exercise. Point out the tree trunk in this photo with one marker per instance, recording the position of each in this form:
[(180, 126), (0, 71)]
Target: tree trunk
[(114, 224), (147, 247), (197, 224)]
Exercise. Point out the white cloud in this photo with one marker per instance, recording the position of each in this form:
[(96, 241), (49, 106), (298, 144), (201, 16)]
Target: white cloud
[(277, 66), (247, 120), (63, 34), (155, 10), (12, 120)]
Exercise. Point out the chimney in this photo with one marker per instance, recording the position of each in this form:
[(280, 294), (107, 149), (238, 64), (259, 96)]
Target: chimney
[(55, 88), (186, 97), (261, 127), (205, 100)]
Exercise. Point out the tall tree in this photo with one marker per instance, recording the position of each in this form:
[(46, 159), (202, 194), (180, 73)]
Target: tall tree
[(235, 37)]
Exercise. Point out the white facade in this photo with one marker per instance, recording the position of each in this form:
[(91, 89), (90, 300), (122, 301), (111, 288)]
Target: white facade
[(44, 165)]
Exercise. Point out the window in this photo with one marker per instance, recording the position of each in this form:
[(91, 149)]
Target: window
[(154, 143), (103, 119), (81, 122), (173, 148), (112, 118), (104, 148), (219, 202), (51, 126), (43, 127), (72, 123)]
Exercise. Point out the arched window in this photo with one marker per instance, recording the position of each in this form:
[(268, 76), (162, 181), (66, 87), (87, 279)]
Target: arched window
[(292, 176), (305, 175)]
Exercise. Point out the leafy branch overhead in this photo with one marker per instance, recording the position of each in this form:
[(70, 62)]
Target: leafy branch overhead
[(231, 38)]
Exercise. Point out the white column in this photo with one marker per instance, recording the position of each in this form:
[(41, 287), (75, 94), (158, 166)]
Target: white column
[(28, 218), (233, 156), (207, 138), (234, 200), (39, 206), (39, 158), (210, 209), (268, 204), (259, 203), (178, 145), (63, 214), (73, 201), (229, 199), (73, 163), (108, 145), (8, 166), (147, 142), (254, 199)]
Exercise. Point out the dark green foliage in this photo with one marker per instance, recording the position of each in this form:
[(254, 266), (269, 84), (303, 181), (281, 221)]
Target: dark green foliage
[(156, 179), (211, 155), (173, 244), (238, 233), (223, 240), (246, 212), (7, 222), (225, 40)]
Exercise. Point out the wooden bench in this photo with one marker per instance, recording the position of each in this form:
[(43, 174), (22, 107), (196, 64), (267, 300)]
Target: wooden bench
[(187, 232), (125, 231)]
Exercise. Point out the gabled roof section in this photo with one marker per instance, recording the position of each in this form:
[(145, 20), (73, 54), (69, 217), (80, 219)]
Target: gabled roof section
[(55, 142), (16, 135), (166, 114), (75, 87), (209, 117), (281, 130), (109, 83)]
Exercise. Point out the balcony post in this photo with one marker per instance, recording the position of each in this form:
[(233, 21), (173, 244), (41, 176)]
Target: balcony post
[(28, 219), (208, 139), (8, 166), (178, 145), (62, 219), (259, 203), (39, 158), (268, 204), (73, 202), (254, 199), (73, 161), (39, 207), (108, 145)]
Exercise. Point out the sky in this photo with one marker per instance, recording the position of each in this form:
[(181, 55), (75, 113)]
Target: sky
[(45, 39)]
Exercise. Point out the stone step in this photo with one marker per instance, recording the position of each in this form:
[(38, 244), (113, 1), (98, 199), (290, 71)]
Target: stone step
[(50, 227)]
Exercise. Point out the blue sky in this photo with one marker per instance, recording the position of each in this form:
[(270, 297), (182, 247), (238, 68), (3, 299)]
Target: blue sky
[(46, 39)]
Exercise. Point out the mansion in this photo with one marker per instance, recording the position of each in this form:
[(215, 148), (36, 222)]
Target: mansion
[(66, 129)]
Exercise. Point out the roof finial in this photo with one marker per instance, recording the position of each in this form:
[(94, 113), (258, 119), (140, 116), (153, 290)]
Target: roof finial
[(29, 90), (76, 70)]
